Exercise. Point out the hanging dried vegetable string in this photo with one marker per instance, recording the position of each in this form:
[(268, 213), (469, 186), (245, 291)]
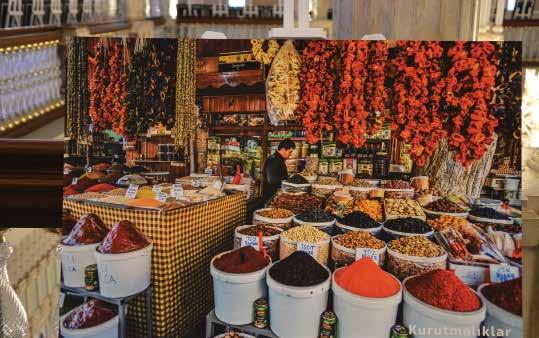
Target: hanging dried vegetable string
[(258, 51), (470, 82), (350, 116), (317, 93), (77, 117), (100, 104), (185, 125), (376, 93), (117, 89), (135, 93), (159, 85), (417, 94)]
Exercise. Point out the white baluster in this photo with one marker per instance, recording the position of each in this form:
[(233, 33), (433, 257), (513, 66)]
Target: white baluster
[(484, 15), (38, 12), (72, 12), (87, 11), (220, 9), (278, 9), (500, 11), (55, 17), (250, 10), (14, 13)]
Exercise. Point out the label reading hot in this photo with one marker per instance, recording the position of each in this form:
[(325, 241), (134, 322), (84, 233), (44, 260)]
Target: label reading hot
[(370, 253), (131, 191), (503, 272), (309, 248), (249, 241)]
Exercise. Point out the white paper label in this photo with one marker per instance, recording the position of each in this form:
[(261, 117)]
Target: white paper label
[(470, 275), (503, 272), (177, 190), (132, 191), (157, 188), (217, 185), (75, 181), (371, 253), (208, 171), (89, 169), (311, 249), (162, 196), (249, 241)]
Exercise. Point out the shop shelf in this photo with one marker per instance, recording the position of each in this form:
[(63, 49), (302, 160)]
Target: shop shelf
[(212, 322), (120, 302)]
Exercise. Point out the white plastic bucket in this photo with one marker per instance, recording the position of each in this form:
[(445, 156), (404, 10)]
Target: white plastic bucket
[(108, 329), (364, 317), (277, 222), (75, 258), (428, 321), (271, 243), (343, 255), (498, 318), (403, 266), (435, 214), (126, 274), (319, 225), (235, 293), (304, 304)]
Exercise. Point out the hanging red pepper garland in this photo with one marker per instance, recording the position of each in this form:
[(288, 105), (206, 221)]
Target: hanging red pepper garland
[(317, 79), (98, 83), (376, 93), (417, 91), (470, 81), (117, 90)]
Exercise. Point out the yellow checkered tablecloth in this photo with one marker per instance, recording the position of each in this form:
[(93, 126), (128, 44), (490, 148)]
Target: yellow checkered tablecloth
[(184, 241)]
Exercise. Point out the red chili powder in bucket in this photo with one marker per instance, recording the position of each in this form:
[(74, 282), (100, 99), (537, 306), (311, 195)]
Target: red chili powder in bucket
[(365, 278), (243, 260), (507, 295), (444, 290)]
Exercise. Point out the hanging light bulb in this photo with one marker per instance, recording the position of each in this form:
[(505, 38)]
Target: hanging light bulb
[(13, 320)]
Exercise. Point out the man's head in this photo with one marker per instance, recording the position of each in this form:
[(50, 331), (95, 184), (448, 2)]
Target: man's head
[(285, 148)]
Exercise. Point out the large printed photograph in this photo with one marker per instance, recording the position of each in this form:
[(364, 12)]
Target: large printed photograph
[(292, 189)]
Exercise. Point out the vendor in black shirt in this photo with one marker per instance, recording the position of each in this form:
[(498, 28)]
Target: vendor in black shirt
[(274, 171)]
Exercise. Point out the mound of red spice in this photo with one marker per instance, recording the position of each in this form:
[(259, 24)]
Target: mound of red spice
[(123, 237), (90, 229), (243, 260), (507, 295), (444, 290), (88, 315), (100, 187)]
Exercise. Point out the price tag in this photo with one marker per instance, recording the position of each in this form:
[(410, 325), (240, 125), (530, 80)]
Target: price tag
[(157, 188), (309, 248), (371, 253), (177, 190), (208, 171), (162, 196), (89, 169), (217, 185), (75, 181), (503, 272), (249, 241), (132, 191)]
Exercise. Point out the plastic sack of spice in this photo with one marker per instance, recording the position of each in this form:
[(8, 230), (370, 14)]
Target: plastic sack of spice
[(68, 223), (90, 229), (282, 85), (124, 237), (90, 314)]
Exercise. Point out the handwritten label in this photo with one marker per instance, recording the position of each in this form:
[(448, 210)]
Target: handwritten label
[(309, 248), (249, 241), (177, 190), (75, 181), (208, 171), (68, 262), (89, 169), (157, 188), (470, 275), (371, 253), (162, 196), (132, 191), (503, 272)]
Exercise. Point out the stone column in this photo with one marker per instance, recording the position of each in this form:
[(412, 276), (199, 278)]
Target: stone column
[(406, 19)]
